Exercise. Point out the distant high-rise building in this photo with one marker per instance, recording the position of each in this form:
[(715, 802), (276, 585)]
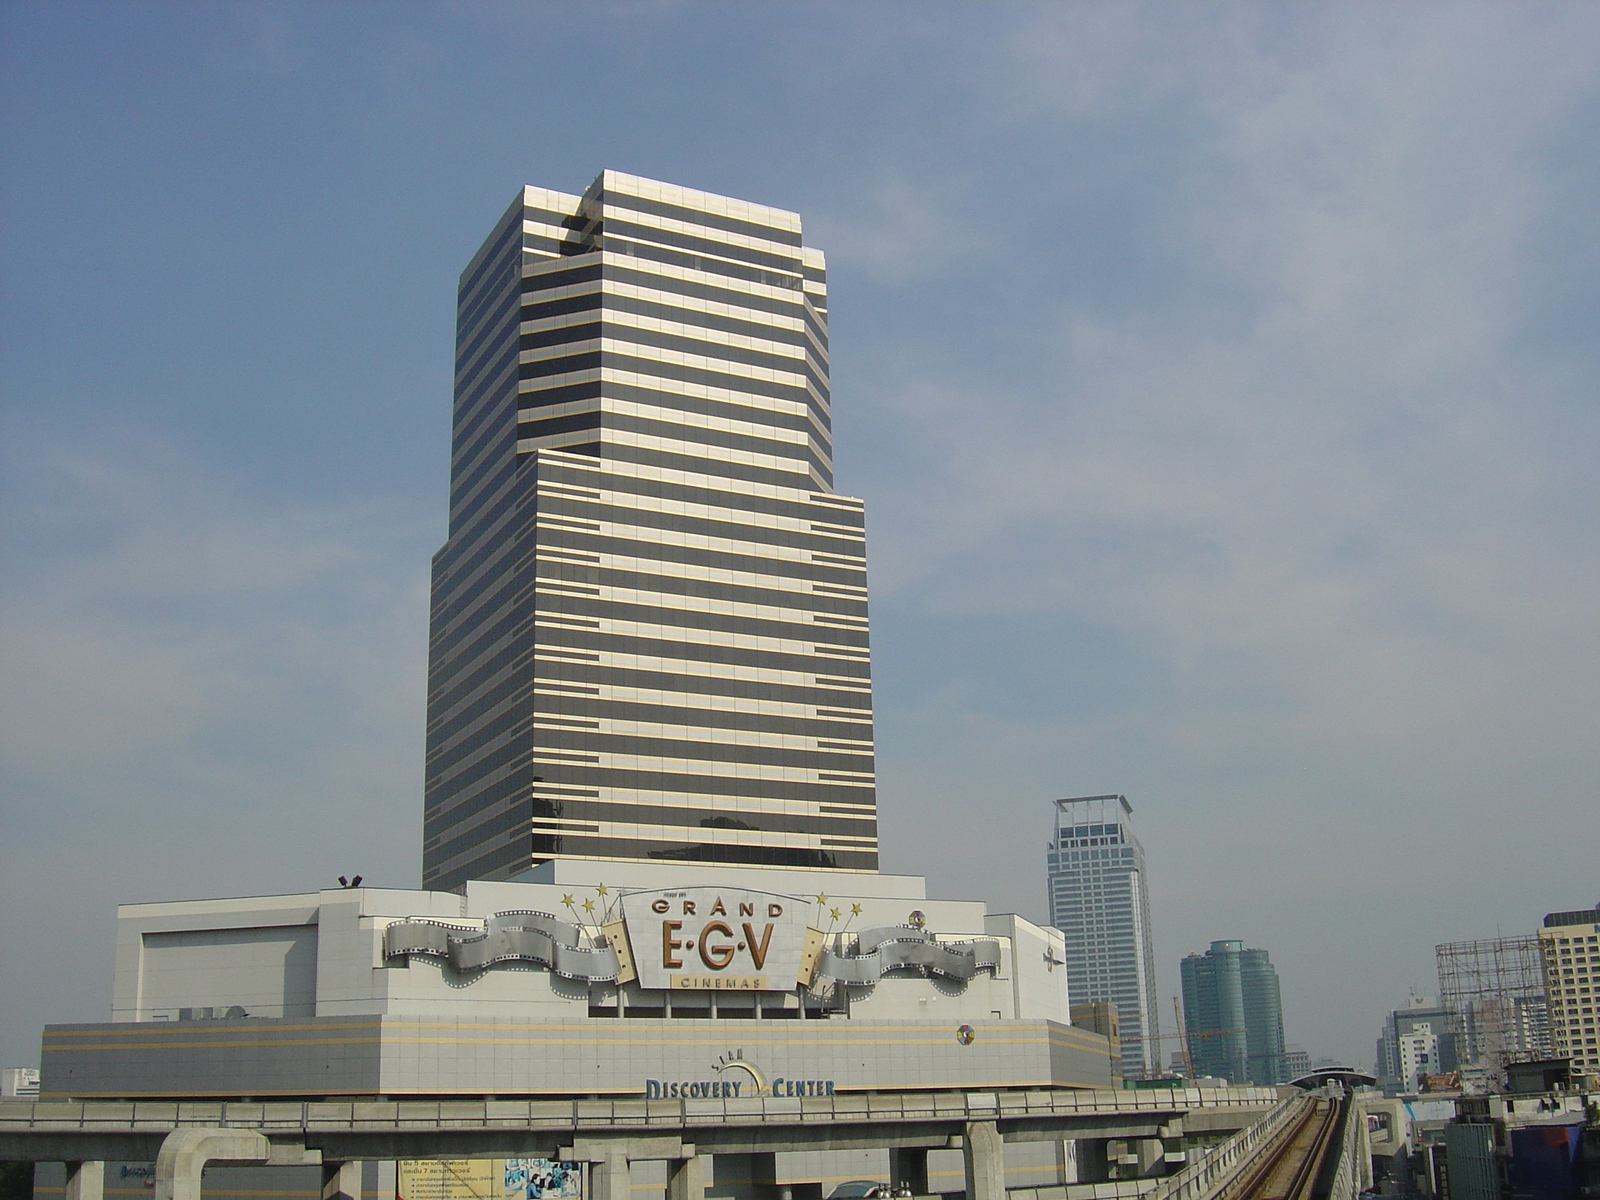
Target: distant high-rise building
[(648, 636), (1570, 945), (1233, 1014), (1421, 1030), (1099, 901), (1296, 1062)]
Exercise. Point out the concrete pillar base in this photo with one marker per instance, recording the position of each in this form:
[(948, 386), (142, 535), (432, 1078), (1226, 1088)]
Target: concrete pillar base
[(85, 1181), (985, 1161)]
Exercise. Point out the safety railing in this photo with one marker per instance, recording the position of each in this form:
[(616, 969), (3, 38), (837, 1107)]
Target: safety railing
[(1205, 1178)]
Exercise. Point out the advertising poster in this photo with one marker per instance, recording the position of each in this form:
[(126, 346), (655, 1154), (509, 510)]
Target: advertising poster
[(488, 1179)]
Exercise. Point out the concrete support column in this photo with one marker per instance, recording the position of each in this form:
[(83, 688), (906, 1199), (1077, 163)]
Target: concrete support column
[(985, 1161), (909, 1165), (185, 1153), (686, 1178), (341, 1181), (85, 1181), (609, 1175)]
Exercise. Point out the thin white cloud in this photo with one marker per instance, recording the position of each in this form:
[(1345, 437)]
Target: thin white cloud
[(207, 692), (1321, 480)]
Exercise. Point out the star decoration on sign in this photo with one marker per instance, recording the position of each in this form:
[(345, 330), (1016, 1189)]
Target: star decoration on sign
[(588, 906), (855, 910), (599, 889), (822, 897), (834, 913)]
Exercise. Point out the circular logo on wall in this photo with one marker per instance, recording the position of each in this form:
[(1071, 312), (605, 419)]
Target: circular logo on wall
[(918, 919), (964, 1034)]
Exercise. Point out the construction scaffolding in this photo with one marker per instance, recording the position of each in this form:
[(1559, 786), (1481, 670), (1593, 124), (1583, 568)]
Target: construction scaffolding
[(1495, 988)]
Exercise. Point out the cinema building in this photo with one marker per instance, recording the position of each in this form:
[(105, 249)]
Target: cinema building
[(650, 841)]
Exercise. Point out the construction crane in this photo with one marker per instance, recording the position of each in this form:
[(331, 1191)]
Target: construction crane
[(1182, 1038)]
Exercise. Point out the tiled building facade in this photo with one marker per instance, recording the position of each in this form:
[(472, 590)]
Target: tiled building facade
[(649, 623), (1570, 947)]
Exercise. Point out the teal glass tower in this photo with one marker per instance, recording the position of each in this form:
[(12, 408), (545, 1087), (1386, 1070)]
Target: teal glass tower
[(1233, 1014)]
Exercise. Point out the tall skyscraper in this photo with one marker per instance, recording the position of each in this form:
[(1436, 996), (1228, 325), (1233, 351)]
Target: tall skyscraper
[(649, 623), (1233, 1014), (1099, 901)]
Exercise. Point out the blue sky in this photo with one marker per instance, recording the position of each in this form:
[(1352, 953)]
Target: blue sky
[(1221, 381)]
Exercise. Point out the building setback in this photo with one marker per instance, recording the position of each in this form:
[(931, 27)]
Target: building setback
[(1099, 901), (1233, 1014), (648, 634)]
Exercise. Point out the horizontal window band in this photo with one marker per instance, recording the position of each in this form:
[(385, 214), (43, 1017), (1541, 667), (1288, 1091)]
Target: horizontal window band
[(513, 821), (541, 754), (560, 335), (598, 478), (624, 518), (848, 559), (691, 749), (567, 364), (552, 603), (677, 240), (457, 806), (662, 309), (713, 685), (621, 812), (549, 426), (750, 566), (650, 851), (549, 278), (538, 310), (713, 441), (622, 337), (666, 460), (687, 717), (565, 826), (868, 778), (670, 405), (615, 359), (840, 712), (529, 399), (547, 686), (828, 808), (686, 652), (639, 275), (544, 790), (691, 784), (712, 622), (704, 263), (696, 216)]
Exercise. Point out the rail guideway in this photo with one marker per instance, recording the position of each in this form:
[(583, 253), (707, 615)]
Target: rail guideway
[(1312, 1147)]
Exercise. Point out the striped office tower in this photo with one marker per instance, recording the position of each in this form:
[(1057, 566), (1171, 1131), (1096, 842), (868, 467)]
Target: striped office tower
[(649, 623)]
